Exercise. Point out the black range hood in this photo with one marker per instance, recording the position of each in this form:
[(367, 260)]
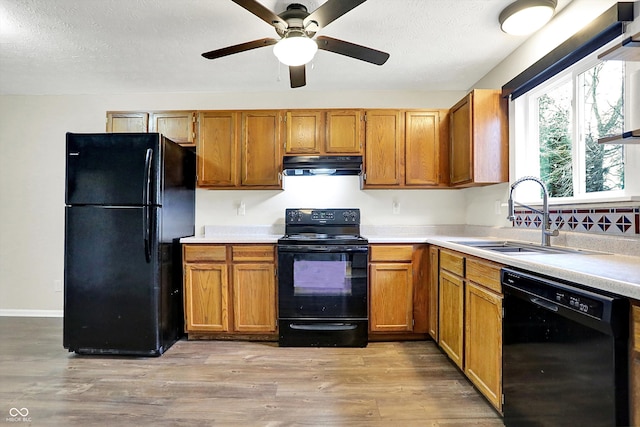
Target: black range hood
[(322, 165)]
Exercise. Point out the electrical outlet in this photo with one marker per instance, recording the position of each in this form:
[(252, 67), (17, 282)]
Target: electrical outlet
[(396, 208), (57, 285), (241, 209)]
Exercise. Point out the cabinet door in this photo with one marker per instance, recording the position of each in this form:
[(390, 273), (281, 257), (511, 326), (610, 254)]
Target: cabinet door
[(304, 132), (433, 293), (254, 297), (461, 142), (127, 121), (451, 321), (422, 148), (483, 341), (391, 297), (217, 148), (178, 126), (206, 297), (261, 159), (344, 132), (384, 143)]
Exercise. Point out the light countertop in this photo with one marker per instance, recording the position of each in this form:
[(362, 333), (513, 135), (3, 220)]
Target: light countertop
[(619, 274)]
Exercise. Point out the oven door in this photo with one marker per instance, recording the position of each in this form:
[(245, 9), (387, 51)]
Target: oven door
[(320, 282)]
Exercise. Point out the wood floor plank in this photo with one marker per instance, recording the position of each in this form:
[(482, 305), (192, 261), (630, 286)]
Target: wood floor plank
[(234, 383)]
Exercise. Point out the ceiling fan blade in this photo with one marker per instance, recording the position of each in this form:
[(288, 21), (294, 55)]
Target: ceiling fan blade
[(230, 50), (330, 11), (297, 76), (262, 12), (352, 50)]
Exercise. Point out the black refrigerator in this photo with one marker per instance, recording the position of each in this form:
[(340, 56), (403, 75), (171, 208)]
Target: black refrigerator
[(129, 199)]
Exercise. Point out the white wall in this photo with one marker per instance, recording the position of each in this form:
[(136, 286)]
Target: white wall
[(32, 130), (481, 202), (32, 135)]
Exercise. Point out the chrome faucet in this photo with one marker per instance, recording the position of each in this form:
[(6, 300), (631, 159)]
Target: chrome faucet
[(546, 226)]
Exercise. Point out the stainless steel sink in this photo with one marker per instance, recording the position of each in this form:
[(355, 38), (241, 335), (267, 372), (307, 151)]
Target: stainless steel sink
[(511, 247)]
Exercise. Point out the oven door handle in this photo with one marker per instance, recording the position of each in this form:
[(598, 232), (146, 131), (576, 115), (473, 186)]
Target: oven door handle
[(321, 249), (323, 326)]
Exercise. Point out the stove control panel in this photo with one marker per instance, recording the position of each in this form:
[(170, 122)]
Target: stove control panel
[(323, 216)]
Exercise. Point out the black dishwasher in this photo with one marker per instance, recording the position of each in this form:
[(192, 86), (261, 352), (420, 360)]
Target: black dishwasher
[(565, 359)]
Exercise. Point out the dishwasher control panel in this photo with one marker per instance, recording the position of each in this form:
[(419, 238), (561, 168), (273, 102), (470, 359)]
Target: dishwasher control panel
[(555, 292), (578, 302)]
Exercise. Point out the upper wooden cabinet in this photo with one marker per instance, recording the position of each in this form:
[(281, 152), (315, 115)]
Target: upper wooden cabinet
[(127, 121), (178, 126), (239, 149), (323, 132), (405, 149), (217, 148), (479, 146), (260, 155), (343, 132), (384, 148), (304, 132)]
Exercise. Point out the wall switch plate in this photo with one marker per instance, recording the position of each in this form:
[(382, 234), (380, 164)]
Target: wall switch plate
[(57, 285), (497, 207)]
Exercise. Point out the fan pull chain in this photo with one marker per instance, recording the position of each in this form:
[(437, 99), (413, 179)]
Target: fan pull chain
[(278, 78)]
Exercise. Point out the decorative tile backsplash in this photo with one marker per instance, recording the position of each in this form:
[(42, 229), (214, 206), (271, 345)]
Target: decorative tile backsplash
[(619, 220)]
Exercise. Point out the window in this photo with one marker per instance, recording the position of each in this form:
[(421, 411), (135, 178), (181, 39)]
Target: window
[(562, 120)]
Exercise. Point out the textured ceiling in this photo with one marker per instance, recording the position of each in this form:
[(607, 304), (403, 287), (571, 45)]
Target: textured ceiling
[(150, 46)]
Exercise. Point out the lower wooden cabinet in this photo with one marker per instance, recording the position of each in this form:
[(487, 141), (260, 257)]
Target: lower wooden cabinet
[(397, 289), (451, 316), (230, 289), (634, 365), (483, 341), (206, 297), (433, 292), (470, 319), (254, 295), (391, 295)]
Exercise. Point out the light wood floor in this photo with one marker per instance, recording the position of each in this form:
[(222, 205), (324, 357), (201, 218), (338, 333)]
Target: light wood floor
[(232, 383)]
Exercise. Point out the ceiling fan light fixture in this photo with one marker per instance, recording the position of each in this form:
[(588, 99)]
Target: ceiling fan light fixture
[(295, 48), (526, 16)]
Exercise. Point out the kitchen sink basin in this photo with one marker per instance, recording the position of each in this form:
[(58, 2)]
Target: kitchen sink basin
[(510, 247)]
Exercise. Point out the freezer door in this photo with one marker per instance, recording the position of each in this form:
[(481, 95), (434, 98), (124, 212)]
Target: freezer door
[(112, 280), (113, 169)]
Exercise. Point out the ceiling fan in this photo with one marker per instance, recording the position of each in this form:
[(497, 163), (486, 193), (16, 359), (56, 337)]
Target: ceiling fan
[(296, 28)]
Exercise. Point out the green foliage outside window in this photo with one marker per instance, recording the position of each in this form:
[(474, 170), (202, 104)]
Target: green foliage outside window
[(599, 113)]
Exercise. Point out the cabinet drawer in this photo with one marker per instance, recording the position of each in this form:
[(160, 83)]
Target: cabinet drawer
[(484, 273), (452, 262), (200, 253), (390, 253), (253, 253)]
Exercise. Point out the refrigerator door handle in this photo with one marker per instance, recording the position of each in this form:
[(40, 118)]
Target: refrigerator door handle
[(146, 187), (146, 190)]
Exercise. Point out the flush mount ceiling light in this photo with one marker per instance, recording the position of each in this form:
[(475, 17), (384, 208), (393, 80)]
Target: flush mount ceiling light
[(295, 48), (526, 16)]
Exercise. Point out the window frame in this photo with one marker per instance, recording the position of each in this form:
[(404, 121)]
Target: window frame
[(525, 141)]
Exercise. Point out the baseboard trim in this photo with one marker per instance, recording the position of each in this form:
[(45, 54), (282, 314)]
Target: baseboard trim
[(30, 313)]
